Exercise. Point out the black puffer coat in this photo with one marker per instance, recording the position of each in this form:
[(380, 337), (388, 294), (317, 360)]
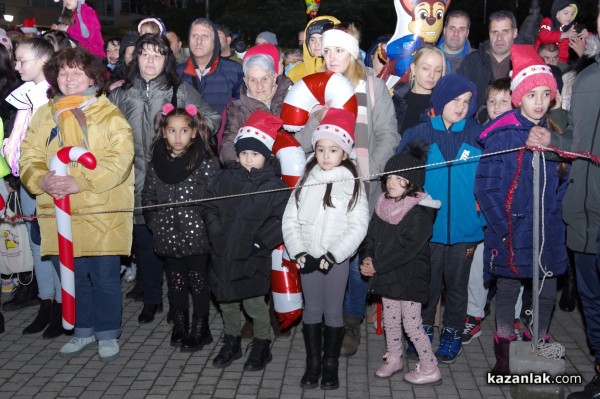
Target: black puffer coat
[(235, 224), (400, 255), (178, 231)]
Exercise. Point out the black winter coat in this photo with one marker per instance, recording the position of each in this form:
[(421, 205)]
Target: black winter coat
[(400, 255), (234, 225), (178, 231)]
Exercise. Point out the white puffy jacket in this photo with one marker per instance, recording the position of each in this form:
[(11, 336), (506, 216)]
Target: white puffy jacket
[(311, 228)]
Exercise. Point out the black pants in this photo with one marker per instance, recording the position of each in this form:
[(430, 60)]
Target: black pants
[(187, 276)]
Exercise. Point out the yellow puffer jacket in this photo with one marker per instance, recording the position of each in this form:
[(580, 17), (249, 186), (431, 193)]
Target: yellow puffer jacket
[(310, 64), (108, 187)]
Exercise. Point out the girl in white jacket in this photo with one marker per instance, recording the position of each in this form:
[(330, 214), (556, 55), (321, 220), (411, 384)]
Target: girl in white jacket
[(323, 225)]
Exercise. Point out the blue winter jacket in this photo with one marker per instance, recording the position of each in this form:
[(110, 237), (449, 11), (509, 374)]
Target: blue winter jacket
[(495, 175), (458, 220)]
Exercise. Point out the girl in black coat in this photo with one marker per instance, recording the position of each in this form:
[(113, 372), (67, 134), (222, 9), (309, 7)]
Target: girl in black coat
[(182, 167), (396, 254)]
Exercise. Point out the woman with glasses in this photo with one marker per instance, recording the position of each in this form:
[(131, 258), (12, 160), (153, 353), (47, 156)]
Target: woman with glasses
[(376, 141), (30, 58), (152, 80)]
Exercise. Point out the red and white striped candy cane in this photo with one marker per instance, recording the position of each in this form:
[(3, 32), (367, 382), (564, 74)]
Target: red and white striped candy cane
[(285, 281), (62, 206)]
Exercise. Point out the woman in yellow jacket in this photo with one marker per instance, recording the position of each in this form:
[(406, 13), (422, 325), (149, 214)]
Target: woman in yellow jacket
[(79, 114), (313, 60)]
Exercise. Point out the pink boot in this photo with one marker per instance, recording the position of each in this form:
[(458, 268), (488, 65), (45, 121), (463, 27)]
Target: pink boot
[(391, 365), (424, 375)]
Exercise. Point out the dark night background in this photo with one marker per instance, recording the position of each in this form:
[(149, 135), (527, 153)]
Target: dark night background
[(374, 17)]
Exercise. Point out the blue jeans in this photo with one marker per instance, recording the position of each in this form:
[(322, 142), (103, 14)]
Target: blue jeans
[(587, 269), (47, 279), (356, 291), (98, 303), (149, 264)]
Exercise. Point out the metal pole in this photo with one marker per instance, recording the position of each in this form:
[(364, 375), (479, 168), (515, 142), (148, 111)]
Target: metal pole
[(535, 286)]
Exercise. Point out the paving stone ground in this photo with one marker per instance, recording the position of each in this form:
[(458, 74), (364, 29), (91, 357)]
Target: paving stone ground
[(148, 367)]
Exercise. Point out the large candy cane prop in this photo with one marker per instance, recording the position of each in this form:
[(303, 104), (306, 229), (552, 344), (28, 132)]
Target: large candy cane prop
[(285, 281), (62, 206), (315, 89)]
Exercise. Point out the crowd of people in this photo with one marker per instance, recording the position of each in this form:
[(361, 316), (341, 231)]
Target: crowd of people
[(448, 215)]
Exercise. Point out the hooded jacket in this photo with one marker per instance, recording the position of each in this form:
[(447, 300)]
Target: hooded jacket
[(108, 187), (401, 252), (140, 104), (581, 204), (86, 30), (240, 110), (495, 176), (310, 63), (221, 83), (235, 224)]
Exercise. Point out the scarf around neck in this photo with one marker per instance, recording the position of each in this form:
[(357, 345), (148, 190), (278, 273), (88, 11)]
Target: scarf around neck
[(392, 211), (169, 169), (68, 113)]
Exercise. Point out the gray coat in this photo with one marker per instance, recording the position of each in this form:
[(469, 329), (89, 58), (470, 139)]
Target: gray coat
[(140, 104), (581, 204)]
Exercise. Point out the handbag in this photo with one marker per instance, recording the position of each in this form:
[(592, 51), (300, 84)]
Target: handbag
[(15, 250)]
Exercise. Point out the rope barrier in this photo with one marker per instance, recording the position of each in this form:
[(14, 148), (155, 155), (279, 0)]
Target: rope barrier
[(564, 154)]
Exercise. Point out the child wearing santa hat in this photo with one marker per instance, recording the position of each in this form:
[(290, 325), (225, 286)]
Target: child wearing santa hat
[(243, 231), (81, 23), (503, 190), (323, 226)]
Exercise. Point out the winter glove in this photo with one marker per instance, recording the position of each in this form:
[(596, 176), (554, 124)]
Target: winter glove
[(306, 263), (325, 263)]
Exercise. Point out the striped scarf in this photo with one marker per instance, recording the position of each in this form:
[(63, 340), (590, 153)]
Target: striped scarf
[(68, 113)]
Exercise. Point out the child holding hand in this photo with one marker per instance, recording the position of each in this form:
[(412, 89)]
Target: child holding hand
[(395, 254), (323, 226)]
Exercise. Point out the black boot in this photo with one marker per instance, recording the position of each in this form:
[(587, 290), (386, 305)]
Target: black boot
[(25, 295), (55, 328), (501, 350), (260, 355), (1, 323), (181, 325), (568, 297), (231, 350), (591, 389), (331, 356), (313, 334), (148, 312), (42, 319), (199, 335)]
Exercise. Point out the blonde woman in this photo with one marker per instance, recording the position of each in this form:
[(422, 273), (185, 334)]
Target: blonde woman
[(376, 140), (413, 99)]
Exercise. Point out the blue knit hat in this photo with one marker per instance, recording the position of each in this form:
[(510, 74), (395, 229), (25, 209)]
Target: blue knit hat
[(448, 88)]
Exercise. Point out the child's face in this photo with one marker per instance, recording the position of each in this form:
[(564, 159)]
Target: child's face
[(178, 134), (566, 15), (251, 159), (456, 110), (28, 65), (329, 154), (70, 4), (535, 103), (497, 103), (112, 52), (396, 186)]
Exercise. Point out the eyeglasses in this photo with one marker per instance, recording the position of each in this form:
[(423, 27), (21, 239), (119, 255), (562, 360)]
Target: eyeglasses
[(20, 62)]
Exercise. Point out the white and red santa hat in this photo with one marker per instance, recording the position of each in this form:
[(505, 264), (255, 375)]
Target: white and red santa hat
[(529, 71), (258, 133), (338, 126)]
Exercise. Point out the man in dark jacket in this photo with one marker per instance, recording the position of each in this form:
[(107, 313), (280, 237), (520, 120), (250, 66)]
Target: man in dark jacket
[(492, 60), (581, 204), (455, 43), (217, 79)]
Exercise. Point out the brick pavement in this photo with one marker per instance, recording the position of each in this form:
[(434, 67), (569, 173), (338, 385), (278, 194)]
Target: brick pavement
[(149, 367)]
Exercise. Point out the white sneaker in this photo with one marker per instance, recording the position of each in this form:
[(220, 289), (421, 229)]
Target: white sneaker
[(108, 350), (130, 273), (76, 346)]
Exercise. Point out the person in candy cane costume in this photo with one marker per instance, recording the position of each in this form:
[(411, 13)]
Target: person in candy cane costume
[(79, 114)]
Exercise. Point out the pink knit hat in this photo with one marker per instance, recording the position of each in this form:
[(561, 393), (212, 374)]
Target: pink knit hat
[(529, 71)]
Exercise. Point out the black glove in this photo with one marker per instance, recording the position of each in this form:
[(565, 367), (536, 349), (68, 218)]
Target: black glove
[(325, 263), (306, 263)]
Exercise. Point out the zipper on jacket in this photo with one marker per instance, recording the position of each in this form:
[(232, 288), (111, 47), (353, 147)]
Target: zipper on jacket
[(449, 242)]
